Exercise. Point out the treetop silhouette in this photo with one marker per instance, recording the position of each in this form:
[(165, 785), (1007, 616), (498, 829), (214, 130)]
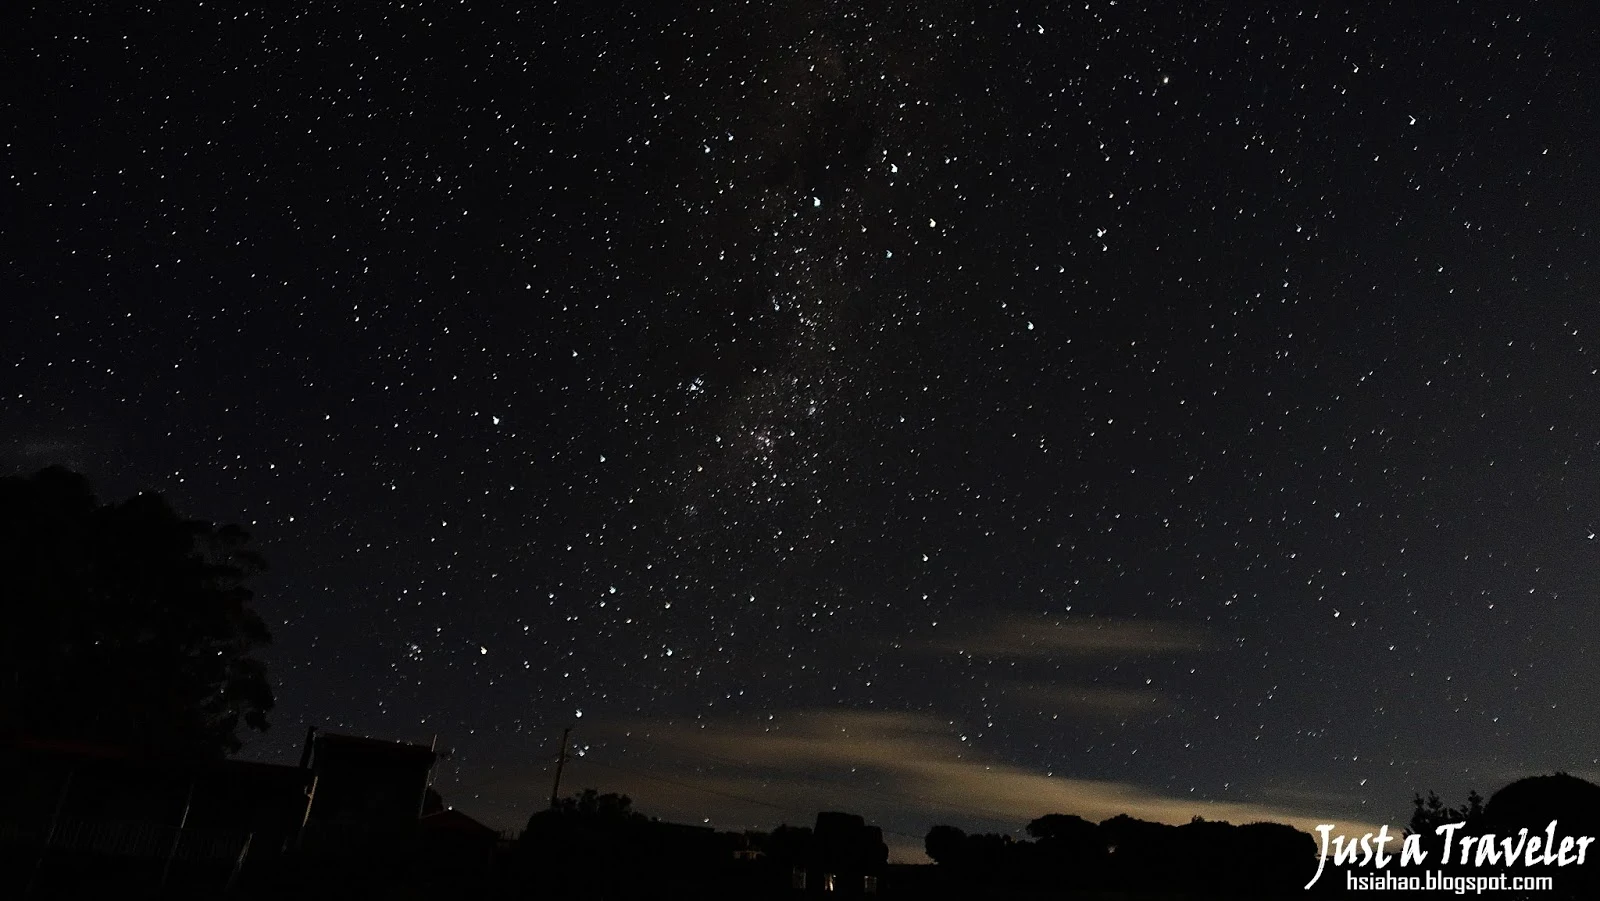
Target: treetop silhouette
[(126, 624)]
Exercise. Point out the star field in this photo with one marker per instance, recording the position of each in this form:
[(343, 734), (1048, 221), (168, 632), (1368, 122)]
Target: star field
[(932, 410)]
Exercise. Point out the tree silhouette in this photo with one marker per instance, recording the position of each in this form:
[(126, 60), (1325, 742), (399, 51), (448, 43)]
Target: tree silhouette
[(1529, 804), (1202, 858), (1426, 816), (1062, 829), (125, 623), (945, 844), (1536, 801), (1071, 848), (594, 845), (590, 804)]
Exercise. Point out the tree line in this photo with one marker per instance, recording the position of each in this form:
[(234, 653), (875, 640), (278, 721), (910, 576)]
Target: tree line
[(1069, 853)]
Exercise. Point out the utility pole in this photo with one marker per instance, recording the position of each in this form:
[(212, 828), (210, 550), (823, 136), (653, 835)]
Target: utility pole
[(561, 761)]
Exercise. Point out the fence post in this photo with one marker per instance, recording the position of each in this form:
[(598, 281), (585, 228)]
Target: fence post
[(238, 865), (50, 837), (176, 839)]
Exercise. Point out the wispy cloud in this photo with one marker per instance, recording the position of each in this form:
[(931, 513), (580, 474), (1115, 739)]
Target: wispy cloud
[(907, 769), (1090, 700), (910, 770), (1033, 637)]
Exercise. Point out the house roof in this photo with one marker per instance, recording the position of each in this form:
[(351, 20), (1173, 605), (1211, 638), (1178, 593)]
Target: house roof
[(450, 820), (374, 746)]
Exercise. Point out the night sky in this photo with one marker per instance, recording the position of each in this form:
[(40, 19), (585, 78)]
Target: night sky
[(941, 412)]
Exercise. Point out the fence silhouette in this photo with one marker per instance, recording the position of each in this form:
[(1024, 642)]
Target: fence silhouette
[(84, 852)]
